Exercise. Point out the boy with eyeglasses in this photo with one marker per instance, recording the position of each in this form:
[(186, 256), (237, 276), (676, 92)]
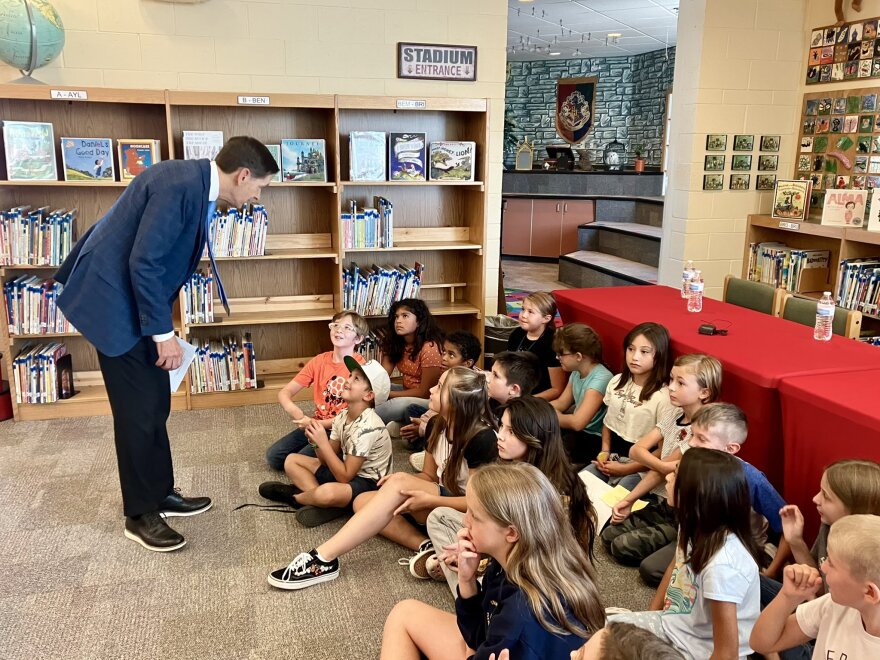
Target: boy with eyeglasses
[(326, 374)]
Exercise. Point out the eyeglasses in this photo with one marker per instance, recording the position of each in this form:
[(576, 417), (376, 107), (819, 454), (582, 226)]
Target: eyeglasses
[(562, 355), (348, 329)]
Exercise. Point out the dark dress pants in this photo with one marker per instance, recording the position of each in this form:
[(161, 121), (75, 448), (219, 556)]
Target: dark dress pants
[(140, 398)]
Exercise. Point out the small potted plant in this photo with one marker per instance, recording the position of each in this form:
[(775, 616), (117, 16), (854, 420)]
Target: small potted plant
[(640, 162)]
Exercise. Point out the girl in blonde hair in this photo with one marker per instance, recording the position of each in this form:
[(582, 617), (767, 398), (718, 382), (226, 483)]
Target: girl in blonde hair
[(538, 598)]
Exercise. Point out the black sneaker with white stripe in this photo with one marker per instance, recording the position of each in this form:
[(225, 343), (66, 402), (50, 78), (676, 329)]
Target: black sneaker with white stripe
[(304, 571)]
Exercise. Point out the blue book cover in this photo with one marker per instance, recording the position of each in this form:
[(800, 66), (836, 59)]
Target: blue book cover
[(303, 160), (87, 159), (406, 156)]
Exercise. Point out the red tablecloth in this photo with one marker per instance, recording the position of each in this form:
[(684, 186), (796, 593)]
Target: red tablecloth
[(757, 353), (826, 418)]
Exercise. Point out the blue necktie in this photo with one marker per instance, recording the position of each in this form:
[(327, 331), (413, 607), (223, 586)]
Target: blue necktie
[(220, 290)]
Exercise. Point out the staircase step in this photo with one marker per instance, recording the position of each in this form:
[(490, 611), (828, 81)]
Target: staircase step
[(586, 268), (630, 228)]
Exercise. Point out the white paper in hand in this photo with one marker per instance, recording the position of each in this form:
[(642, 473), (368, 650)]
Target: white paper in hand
[(177, 375)]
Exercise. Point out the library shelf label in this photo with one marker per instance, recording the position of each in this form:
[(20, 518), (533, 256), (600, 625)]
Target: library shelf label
[(70, 94), (411, 104), (794, 226), (253, 100)]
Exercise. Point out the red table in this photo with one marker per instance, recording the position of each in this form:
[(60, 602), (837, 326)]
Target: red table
[(759, 351), (826, 418)]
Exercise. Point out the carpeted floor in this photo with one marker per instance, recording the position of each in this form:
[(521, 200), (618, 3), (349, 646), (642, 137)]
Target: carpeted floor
[(71, 586)]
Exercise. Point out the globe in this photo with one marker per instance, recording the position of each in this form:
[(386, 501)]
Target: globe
[(15, 33)]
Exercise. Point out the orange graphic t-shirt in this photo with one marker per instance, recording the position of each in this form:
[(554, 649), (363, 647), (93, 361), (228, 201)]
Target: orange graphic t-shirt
[(326, 378)]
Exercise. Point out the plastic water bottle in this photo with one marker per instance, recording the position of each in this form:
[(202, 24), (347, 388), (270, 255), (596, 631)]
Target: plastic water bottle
[(824, 318), (695, 292), (686, 277)]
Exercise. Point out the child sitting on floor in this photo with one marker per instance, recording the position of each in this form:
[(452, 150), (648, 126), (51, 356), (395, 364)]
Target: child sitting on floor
[(324, 486), (535, 335), (844, 622), (325, 374)]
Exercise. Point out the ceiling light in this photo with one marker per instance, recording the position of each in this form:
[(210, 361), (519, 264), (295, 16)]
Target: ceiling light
[(526, 0), (555, 52), (614, 34)]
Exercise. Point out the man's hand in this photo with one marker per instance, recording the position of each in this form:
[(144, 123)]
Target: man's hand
[(792, 523), (170, 354), (800, 582), (620, 512)]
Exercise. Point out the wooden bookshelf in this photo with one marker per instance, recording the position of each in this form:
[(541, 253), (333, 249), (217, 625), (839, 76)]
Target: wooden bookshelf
[(842, 242), (284, 298)]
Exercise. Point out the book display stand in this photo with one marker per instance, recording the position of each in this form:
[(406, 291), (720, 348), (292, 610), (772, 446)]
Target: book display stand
[(285, 298)]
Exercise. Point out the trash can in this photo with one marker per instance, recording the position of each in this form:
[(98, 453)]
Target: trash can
[(497, 331)]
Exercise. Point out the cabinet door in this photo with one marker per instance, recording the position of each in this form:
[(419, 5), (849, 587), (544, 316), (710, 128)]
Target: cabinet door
[(574, 212), (546, 227), (516, 226)]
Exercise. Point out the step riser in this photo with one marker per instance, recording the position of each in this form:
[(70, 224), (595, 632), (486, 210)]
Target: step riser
[(629, 211), (635, 248), (584, 277)]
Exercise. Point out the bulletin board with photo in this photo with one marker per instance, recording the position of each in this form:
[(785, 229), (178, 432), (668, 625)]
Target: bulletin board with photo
[(846, 52), (839, 141)]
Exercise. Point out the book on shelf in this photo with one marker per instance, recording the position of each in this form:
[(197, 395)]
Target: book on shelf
[(873, 223), (844, 208), (366, 156), (38, 237), (371, 290), (239, 232), (789, 268), (452, 161), (303, 160), (371, 346), (407, 156), (43, 373), (368, 227), (30, 151), (135, 156), (202, 144), (31, 306), (275, 150), (87, 159), (858, 285), (223, 365), (198, 298), (791, 199)]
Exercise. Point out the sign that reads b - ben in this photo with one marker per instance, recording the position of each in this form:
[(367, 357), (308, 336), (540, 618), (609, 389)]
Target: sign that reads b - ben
[(436, 62)]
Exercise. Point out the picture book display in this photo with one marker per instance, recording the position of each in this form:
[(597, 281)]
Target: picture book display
[(366, 156), (874, 213), (303, 160), (844, 208), (791, 199), (407, 154), (87, 159), (452, 161), (275, 150), (30, 151), (202, 144), (844, 52), (135, 156)]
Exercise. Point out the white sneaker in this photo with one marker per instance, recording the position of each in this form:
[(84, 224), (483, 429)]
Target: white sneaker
[(417, 460), (393, 429)]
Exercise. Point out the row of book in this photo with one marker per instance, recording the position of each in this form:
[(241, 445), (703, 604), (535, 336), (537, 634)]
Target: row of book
[(32, 308), (368, 227), (858, 285), (43, 373), (223, 365), (408, 157), (370, 291), (239, 232), (792, 269), (371, 347), (38, 237), (198, 298)]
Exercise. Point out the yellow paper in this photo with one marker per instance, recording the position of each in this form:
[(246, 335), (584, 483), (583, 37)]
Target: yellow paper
[(617, 493)]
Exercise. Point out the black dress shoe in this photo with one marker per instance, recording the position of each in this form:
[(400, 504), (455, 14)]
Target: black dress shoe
[(152, 532), (279, 492), (178, 505)]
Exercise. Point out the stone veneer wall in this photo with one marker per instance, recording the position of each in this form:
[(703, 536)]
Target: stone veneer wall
[(630, 100)]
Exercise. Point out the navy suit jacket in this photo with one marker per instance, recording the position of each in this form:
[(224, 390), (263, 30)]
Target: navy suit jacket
[(122, 277)]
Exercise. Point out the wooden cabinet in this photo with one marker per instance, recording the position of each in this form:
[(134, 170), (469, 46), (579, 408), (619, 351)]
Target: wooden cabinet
[(543, 227)]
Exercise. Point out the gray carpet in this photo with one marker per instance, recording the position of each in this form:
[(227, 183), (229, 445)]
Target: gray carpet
[(71, 586)]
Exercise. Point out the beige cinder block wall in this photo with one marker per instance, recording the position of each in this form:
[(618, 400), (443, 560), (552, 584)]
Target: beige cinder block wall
[(304, 46)]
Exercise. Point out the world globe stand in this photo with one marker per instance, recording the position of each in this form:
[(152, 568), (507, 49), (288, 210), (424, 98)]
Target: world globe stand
[(26, 78), (32, 38)]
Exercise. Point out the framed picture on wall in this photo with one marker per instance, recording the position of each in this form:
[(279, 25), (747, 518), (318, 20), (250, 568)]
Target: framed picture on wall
[(713, 182), (766, 182), (740, 181), (770, 142), (741, 163), (716, 142), (713, 163), (768, 163), (743, 142)]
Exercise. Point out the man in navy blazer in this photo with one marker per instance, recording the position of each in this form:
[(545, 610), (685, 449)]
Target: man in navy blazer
[(121, 281)]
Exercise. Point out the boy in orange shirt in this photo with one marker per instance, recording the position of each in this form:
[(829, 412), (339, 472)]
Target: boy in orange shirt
[(326, 373)]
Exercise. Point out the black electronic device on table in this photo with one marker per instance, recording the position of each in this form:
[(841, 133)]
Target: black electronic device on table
[(563, 155)]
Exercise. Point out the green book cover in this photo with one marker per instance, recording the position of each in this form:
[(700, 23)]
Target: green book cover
[(30, 151)]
